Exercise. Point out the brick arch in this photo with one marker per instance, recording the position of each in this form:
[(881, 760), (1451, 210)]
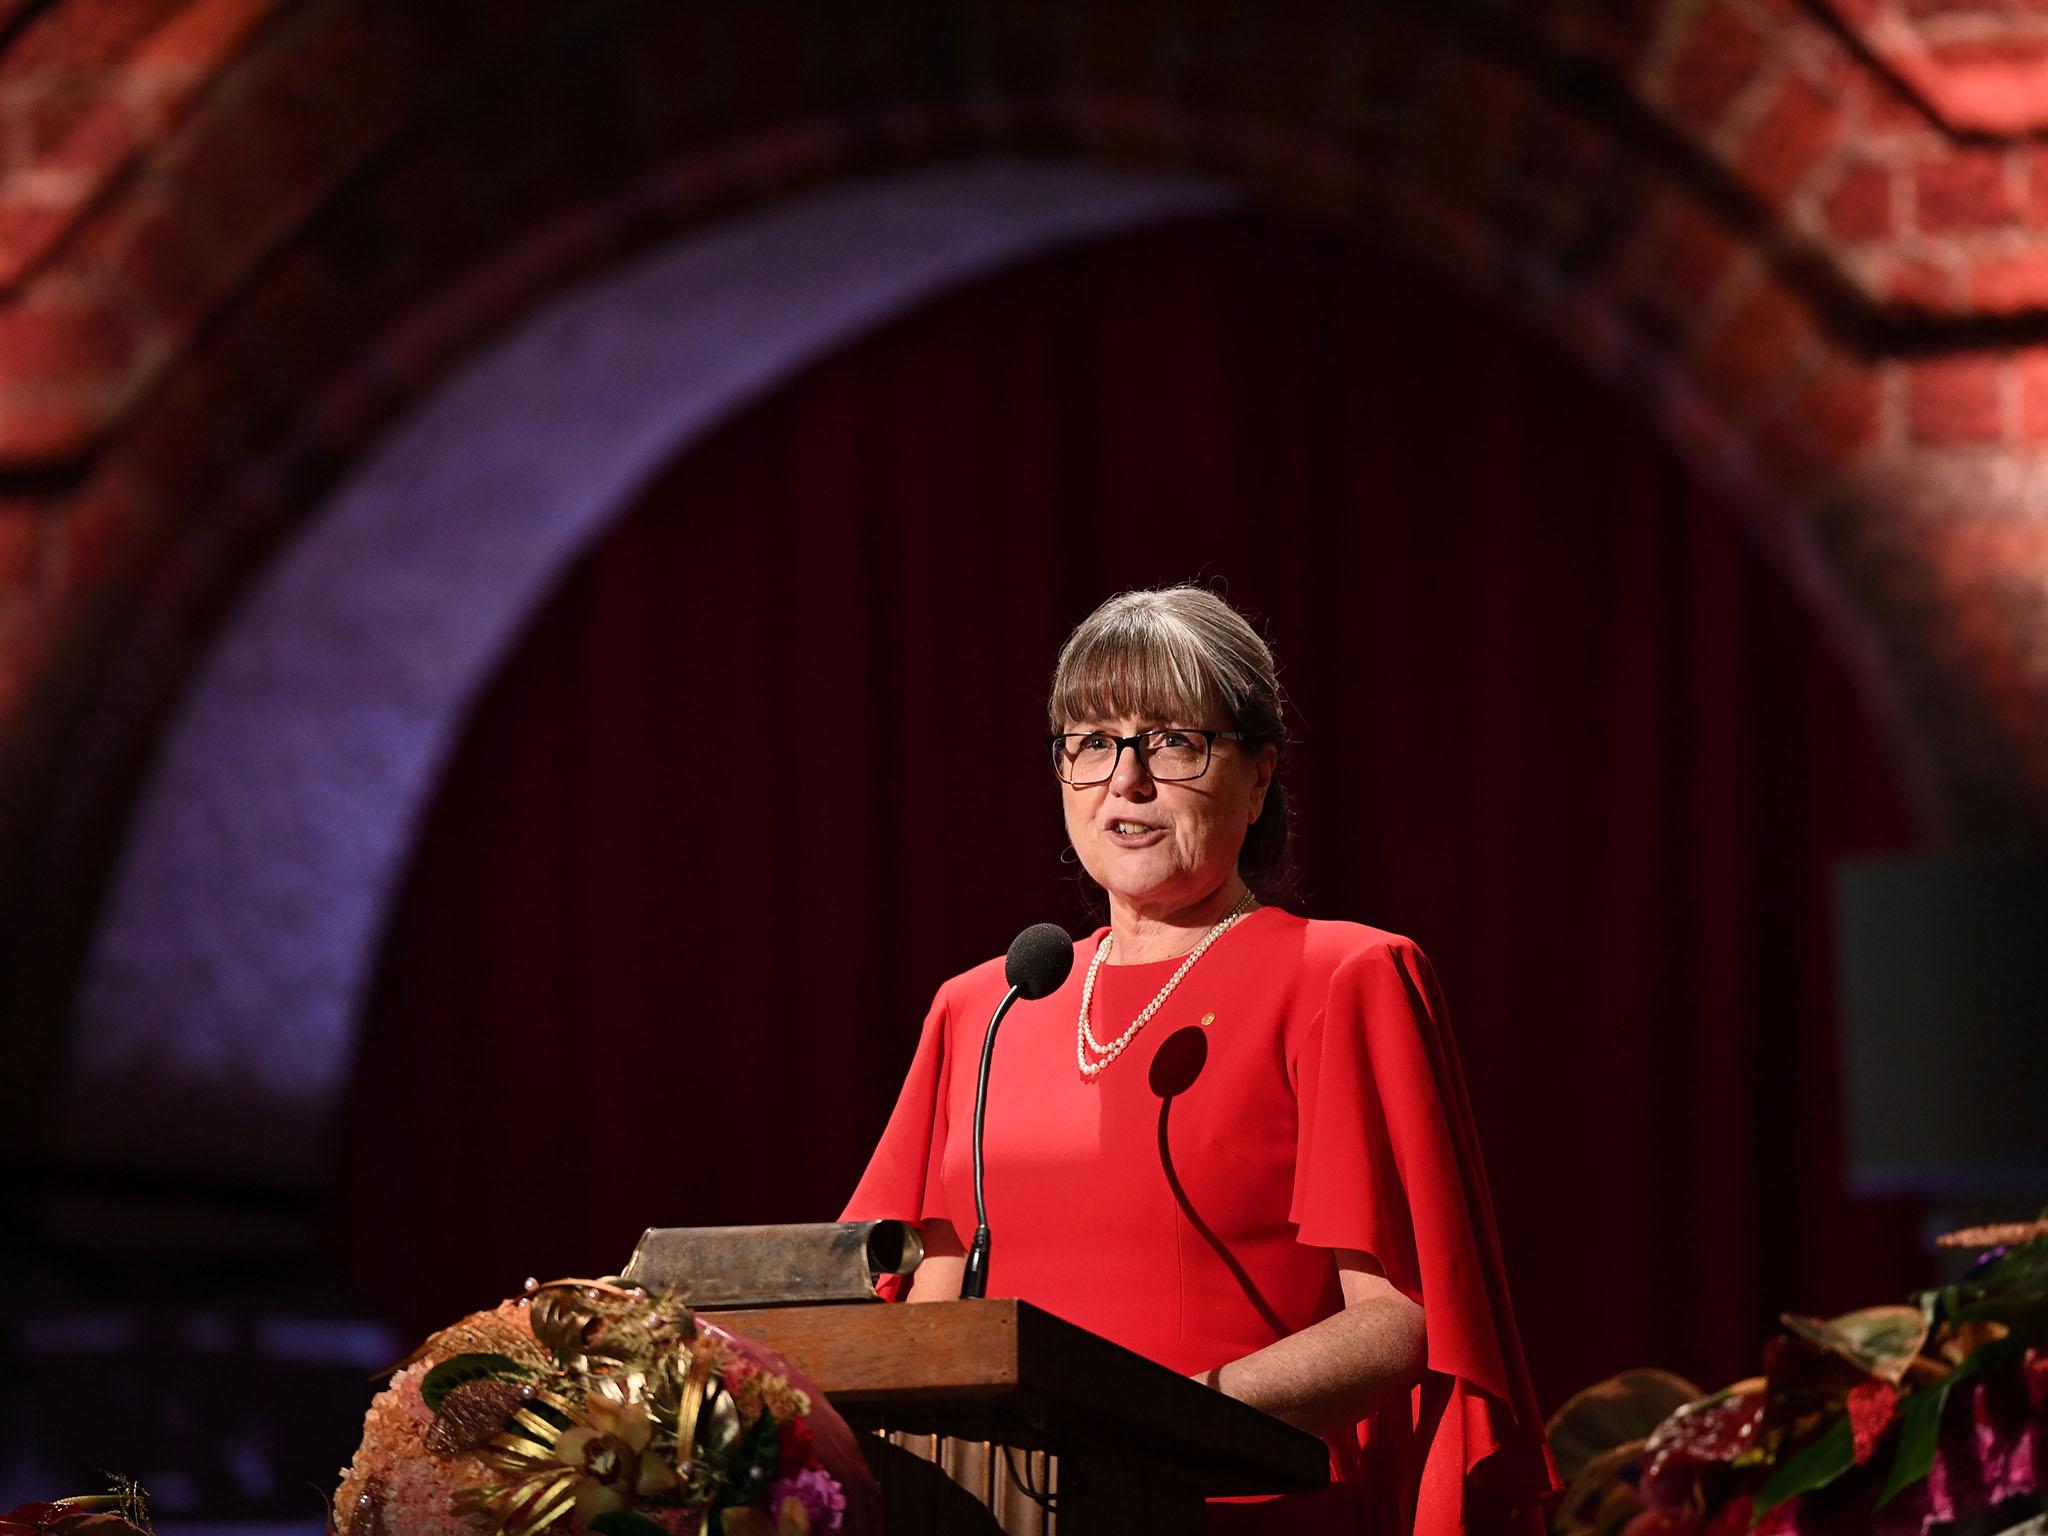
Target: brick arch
[(241, 932), (245, 235)]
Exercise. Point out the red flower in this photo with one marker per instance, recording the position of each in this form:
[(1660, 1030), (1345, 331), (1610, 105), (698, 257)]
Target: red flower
[(799, 1447), (1872, 1407), (51, 1517), (1781, 1521)]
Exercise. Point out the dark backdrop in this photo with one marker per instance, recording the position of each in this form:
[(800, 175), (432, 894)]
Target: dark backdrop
[(765, 771)]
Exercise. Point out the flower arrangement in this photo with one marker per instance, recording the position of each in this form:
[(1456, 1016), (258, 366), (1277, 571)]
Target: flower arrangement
[(1890, 1421), (124, 1512), (587, 1406)]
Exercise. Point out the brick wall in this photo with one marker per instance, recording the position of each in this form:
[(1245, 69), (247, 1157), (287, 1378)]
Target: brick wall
[(237, 237)]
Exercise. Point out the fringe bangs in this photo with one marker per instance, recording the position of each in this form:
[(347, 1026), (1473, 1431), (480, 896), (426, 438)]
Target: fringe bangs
[(1142, 664)]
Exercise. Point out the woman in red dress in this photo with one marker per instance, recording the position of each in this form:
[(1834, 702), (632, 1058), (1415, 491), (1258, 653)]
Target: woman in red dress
[(1235, 1141)]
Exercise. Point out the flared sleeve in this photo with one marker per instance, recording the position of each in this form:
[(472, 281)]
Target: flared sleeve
[(1388, 1163), (902, 1182)]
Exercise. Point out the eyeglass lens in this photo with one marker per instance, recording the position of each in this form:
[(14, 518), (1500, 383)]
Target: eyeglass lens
[(1090, 758)]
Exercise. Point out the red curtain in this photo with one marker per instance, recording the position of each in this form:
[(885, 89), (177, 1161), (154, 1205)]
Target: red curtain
[(766, 770)]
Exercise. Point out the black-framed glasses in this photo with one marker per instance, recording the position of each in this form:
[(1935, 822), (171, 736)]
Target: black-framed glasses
[(1168, 753)]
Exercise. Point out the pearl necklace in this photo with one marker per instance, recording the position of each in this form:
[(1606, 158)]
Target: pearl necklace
[(1084, 1037)]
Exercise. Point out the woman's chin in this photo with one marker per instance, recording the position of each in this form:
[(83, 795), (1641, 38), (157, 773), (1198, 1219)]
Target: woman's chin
[(1145, 884)]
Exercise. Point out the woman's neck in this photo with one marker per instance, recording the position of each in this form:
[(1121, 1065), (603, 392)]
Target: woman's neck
[(1145, 934)]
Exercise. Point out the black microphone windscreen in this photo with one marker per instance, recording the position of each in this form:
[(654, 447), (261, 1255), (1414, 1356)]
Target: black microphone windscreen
[(1039, 960)]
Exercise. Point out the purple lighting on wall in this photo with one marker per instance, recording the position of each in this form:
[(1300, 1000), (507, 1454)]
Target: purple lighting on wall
[(223, 989)]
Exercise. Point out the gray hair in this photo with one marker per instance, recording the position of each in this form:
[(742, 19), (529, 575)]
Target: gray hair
[(1180, 653)]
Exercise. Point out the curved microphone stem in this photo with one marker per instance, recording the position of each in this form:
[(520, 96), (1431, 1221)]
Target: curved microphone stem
[(974, 1280)]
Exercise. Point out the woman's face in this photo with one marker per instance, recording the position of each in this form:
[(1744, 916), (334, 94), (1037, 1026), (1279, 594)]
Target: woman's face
[(1159, 848)]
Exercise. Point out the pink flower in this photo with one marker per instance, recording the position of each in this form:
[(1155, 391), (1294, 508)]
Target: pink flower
[(822, 1499)]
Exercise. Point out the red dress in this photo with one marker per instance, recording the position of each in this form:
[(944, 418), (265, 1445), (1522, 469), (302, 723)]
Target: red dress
[(1298, 1092)]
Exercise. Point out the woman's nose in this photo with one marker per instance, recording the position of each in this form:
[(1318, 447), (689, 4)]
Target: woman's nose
[(1130, 776)]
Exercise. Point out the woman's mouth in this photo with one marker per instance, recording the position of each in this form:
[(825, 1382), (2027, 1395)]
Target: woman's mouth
[(1134, 834)]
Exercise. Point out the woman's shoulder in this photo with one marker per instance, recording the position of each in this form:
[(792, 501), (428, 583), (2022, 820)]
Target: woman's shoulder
[(976, 981), (1352, 971), (991, 980), (1327, 944)]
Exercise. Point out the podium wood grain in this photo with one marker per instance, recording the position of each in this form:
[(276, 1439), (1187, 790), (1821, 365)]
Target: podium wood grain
[(987, 1397)]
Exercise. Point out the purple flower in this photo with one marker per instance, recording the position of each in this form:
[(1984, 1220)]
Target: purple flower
[(1999, 1452), (821, 1496)]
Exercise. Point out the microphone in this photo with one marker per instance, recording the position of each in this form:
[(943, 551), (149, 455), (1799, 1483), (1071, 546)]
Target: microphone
[(1037, 963)]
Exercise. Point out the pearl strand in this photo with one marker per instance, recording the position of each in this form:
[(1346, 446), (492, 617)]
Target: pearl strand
[(1084, 1037)]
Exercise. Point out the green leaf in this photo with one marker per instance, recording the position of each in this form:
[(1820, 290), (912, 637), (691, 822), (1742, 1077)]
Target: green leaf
[(2013, 1288), (1815, 1467), (456, 1369), (1919, 1427), (2020, 1270), (627, 1522), (757, 1460), (2029, 1313), (1920, 1421)]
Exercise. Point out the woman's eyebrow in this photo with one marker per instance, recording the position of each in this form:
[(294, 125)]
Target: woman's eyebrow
[(1145, 723)]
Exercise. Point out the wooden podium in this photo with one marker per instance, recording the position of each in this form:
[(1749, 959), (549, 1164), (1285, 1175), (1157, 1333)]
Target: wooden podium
[(993, 1416)]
